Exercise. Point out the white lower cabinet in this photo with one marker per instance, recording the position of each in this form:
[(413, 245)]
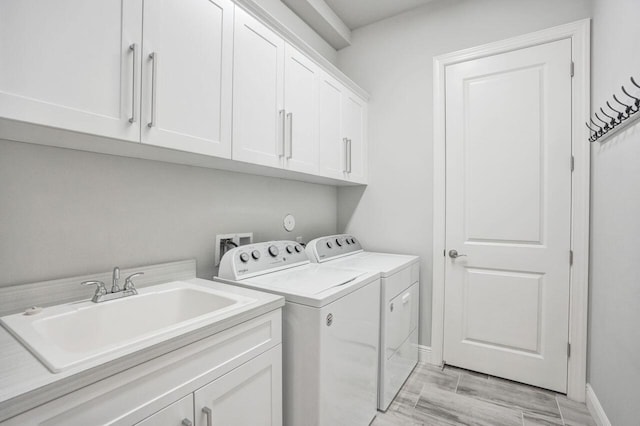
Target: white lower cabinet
[(232, 378), (243, 396), (180, 413)]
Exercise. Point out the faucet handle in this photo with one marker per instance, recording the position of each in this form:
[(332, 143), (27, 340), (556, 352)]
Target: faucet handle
[(128, 283), (100, 289)]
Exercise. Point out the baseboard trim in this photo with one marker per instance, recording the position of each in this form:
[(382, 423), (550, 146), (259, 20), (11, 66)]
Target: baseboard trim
[(595, 408), (424, 354)]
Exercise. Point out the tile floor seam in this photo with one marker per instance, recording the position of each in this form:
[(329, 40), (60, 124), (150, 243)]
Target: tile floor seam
[(560, 410)]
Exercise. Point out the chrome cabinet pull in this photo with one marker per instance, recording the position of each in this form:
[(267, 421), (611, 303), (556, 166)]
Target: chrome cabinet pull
[(290, 118), (134, 84), (281, 115), (207, 412), (349, 169), (346, 154), (154, 87)]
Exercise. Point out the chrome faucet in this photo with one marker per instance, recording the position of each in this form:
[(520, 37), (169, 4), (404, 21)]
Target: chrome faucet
[(102, 295), (116, 276)]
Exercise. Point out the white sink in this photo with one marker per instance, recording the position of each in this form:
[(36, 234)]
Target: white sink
[(65, 336)]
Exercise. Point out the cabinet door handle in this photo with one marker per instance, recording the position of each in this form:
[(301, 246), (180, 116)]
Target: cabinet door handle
[(134, 83), (349, 170), (207, 412), (186, 422), (290, 118), (281, 115), (346, 155), (154, 87)]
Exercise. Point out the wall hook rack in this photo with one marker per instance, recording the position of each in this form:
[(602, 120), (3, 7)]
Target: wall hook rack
[(616, 119)]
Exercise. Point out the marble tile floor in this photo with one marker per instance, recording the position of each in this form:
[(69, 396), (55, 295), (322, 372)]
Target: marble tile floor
[(449, 397)]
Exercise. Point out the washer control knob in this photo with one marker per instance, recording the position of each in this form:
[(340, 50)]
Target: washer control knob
[(353, 240), (244, 257), (255, 254), (329, 244), (273, 251), (348, 240), (339, 242), (289, 249), (298, 249)]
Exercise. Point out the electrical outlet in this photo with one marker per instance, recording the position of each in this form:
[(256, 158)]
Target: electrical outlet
[(237, 240)]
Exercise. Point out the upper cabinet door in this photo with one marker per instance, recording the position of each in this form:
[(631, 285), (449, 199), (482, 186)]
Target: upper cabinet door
[(354, 121), (332, 143), (258, 92), (68, 64), (301, 79), (187, 75)]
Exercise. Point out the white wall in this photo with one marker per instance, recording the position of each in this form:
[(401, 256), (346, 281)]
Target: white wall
[(393, 60), (65, 213), (614, 320)]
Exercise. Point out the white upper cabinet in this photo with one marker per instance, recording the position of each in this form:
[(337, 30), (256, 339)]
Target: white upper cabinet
[(198, 76), (332, 156), (354, 120), (342, 130), (68, 64), (187, 75), (301, 81), (258, 93)]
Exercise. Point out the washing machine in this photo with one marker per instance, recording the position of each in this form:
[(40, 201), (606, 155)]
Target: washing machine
[(399, 307), (330, 330)]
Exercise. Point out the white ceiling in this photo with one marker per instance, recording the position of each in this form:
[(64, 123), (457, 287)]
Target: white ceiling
[(358, 13)]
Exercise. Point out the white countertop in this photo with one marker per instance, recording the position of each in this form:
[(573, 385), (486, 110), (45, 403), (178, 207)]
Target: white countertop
[(25, 383)]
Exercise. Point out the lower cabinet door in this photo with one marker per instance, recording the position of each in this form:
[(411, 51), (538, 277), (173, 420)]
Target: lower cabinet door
[(180, 413), (249, 395)]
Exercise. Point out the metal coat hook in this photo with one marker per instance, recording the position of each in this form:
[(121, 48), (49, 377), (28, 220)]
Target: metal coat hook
[(622, 119), (613, 122)]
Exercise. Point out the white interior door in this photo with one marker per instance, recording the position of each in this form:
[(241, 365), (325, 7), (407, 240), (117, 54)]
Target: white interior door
[(301, 77), (68, 64), (258, 92), (188, 82), (508, 214)]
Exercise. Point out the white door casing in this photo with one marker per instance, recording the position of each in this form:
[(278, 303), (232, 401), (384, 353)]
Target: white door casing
[(578, 35), (508, 210), (258, 92), (190, 106)]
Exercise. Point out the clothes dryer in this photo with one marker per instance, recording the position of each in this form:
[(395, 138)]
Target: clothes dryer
[(399, 307), (330, 331)]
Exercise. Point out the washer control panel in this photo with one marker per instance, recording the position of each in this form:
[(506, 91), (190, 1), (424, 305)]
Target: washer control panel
[(326, 248), (260, 258)]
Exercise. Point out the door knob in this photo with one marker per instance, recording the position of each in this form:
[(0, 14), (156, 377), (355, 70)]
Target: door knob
[(454, 254)]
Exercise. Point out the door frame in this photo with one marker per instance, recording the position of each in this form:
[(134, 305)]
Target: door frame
[(579, 33)]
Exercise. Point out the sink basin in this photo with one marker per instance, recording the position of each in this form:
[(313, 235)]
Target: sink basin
[(65, 336)]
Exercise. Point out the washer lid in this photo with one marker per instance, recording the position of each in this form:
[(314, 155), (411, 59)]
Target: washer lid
[(385, 263), (312, 284)]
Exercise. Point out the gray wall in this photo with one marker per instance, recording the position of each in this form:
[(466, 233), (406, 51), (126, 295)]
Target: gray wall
[(393, 60), (65, 213), (614, 344)]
